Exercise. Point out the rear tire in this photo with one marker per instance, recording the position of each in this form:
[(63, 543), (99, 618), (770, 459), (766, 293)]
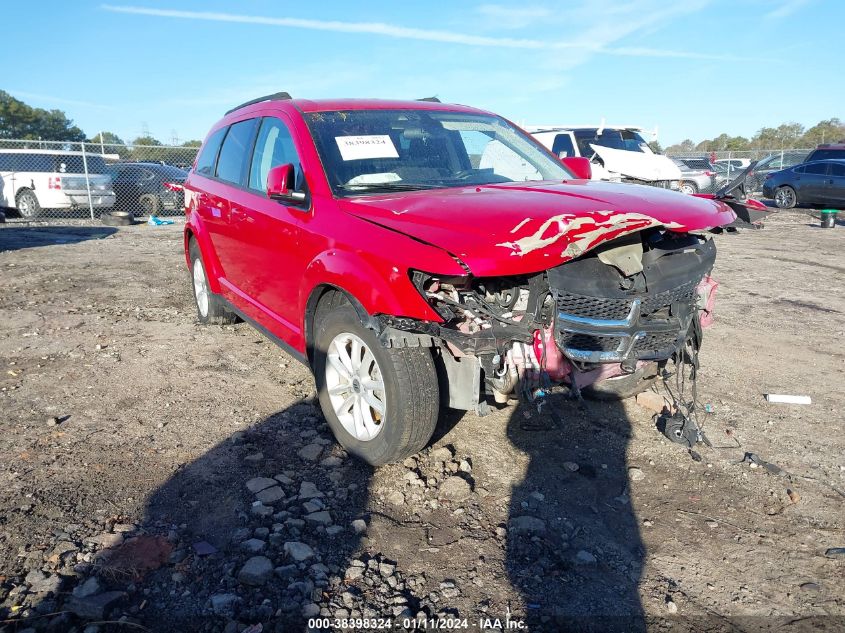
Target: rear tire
[(27, 204), (624, 386), (688, 188), (150, 204), (403, 380), (210, 307), (785, 197)]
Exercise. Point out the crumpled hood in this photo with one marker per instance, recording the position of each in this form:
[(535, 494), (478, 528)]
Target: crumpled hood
[(639, 165), (520, 228)]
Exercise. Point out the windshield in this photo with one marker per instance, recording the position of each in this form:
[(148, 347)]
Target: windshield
[(393, 150)]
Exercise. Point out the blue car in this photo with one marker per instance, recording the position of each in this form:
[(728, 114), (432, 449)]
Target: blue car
[(820, 182)]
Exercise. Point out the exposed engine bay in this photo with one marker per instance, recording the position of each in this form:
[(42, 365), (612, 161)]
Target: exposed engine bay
[(631, 303)]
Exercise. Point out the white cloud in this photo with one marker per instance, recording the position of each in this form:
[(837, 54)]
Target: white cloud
[(505, 17), (594, 40), (786, 8)]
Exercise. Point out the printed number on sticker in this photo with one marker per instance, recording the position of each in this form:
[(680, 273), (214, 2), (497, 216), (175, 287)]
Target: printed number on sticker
[(366, 146)]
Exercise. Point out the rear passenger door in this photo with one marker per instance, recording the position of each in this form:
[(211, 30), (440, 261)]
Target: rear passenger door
[(228, 180), (268, 268)]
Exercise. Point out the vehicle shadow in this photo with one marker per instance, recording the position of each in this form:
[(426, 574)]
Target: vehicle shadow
[(574, 550), (258, 531), (13, 238), (298, 524)]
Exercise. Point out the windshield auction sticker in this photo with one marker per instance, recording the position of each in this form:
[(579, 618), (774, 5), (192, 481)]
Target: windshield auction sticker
[(369, 146)]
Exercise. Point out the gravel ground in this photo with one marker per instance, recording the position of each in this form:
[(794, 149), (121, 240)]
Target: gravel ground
[(157, 474)]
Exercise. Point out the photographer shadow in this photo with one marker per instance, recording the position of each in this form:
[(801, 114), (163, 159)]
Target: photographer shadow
[(574, 550)]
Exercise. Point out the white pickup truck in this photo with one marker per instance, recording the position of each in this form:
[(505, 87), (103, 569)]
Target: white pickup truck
[(617, 153)]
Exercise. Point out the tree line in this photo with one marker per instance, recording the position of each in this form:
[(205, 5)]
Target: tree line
[(785, 136), (21, 121)]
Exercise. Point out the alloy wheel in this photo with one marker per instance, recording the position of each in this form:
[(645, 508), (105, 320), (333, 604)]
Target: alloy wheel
[(200, 287), (355, 387), (785, 198), (25, 205)]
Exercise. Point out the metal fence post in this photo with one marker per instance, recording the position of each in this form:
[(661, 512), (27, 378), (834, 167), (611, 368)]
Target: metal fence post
[(87, 180)]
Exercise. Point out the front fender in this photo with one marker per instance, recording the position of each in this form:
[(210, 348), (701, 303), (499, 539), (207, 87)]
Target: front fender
[(385, 289)]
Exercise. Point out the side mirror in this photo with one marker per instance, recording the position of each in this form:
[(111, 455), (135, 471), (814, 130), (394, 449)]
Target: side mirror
[(579, 166), (279, 181)]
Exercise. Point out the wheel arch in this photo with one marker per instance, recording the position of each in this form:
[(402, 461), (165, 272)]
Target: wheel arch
[(209, 259), (321, 294)]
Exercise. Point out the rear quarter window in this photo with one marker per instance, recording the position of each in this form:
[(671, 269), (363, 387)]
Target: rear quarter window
[(208, 155)]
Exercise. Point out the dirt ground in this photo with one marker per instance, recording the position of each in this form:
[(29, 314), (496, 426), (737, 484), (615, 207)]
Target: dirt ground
[(129, 433)]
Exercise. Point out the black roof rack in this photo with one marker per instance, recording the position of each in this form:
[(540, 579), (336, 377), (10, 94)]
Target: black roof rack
[(278, 96), (432, 99)]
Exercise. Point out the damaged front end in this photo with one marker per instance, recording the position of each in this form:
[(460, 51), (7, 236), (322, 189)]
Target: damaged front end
[(625, 306)]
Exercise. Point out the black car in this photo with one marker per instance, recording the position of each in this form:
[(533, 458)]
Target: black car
[(148, 188), (771, 164), (821, 182), (827, 152)]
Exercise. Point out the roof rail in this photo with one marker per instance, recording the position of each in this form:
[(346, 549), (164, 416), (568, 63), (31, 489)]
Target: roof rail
[(278, 96), (432, 99)]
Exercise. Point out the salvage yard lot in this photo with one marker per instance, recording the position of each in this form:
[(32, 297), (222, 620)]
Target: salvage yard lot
[(125, 422)]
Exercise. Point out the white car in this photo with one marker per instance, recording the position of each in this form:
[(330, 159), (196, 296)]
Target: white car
[(735, 164), (33, 179), (617, 153)]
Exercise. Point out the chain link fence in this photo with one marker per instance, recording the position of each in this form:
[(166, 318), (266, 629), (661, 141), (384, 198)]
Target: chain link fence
[(725, 165), (60, 180)]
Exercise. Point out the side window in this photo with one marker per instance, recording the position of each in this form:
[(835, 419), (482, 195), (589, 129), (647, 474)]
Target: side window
[(562, 147), (208, 155), (232, 162), (816, 168), (837, 169), (273, 147)]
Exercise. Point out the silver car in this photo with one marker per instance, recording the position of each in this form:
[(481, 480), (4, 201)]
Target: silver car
[(697, 175)]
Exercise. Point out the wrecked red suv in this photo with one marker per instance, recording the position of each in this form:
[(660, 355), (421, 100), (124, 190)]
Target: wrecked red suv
[(415, 254)]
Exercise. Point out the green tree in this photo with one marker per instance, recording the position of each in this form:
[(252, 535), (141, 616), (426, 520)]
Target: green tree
[(786, 136), (108, 143), (147, 148), (656, 147), (192, 144), (687, 145), (829, 131), (19, 120)]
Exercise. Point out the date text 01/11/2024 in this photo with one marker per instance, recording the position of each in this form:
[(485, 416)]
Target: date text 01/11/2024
[(419, 624)]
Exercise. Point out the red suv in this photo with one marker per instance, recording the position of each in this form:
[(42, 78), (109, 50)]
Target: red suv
[(414, 254)]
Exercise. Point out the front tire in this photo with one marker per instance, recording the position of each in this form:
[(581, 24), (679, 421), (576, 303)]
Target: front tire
[(785, 197), (210, 307), (381, 403), (27, 204)]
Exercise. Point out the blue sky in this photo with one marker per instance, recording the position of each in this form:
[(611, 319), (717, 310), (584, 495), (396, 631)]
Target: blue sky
[(693, 68)]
